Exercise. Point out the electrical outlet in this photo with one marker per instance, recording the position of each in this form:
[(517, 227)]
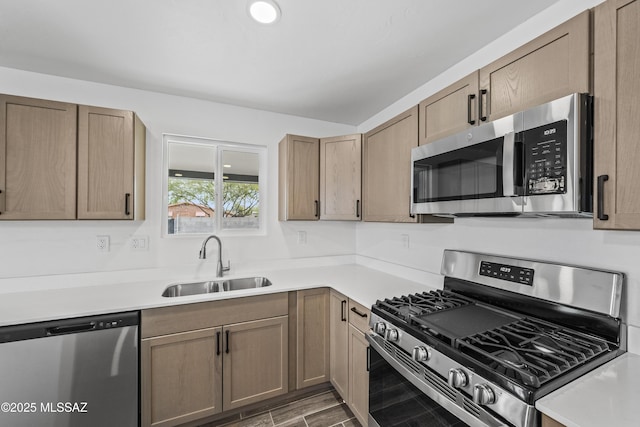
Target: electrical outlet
[(139, 243), (405, 240), (102, 243), (302, 237)]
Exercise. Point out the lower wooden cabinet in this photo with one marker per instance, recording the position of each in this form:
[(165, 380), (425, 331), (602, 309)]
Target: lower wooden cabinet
[(550, 422), (339, 352), (312, 353), (358, 400)]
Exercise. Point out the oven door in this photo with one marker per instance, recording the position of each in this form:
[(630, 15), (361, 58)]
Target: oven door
[(399, 398), (475, 172)]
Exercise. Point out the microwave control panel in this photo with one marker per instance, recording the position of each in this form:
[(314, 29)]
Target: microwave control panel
[(545, 159)]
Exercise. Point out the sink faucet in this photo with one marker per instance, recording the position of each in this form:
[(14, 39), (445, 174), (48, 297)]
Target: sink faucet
[(220, 269)]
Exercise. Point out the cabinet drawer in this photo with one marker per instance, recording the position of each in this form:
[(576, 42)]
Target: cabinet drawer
[(359, 316), (188, 317)]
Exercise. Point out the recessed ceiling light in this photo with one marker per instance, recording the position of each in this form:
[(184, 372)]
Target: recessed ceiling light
[(264, 11), (227, 166)]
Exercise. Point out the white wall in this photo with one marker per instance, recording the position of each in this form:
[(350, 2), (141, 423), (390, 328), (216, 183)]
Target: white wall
[(571, 241), (59, 247)]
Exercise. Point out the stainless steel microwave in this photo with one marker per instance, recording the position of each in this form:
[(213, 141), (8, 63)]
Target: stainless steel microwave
[(537, 162)]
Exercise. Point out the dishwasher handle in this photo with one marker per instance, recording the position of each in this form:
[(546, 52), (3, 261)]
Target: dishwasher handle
[(69, 329)]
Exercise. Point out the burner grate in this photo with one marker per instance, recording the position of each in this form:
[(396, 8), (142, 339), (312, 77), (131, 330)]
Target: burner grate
[(406, 307), (532, 351)]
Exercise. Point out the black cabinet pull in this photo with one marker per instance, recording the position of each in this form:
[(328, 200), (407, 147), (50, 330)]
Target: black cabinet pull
[(343, 315), (127, 199), (470, 98), (601, 180), (217, 343), (227, 339), (355, 310), (483, 96), (317, 208), (357, 208)]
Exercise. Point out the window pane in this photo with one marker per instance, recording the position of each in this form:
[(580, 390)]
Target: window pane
[(191, 188), (241, 196)]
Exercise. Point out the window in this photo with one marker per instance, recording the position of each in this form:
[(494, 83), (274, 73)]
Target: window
[(213, 186)]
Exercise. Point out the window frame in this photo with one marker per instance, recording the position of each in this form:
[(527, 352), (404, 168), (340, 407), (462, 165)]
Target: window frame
[(220, 146)]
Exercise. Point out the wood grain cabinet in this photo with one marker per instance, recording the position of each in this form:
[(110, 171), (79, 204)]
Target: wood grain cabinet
[(616, 127), (37, 159), (386, 169), (451, 110), (298, 178), (339, 354), (312, 355), (111, 167), (550, 422), (552, 65), (340, 178), (198, 360)]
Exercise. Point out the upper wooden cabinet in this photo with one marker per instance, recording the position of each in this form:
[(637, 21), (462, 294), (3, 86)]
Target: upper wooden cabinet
[(386, 168), (616, 127), (341, 177), (298, 178), (39, 143), (551, 66), (450, 111), (37, 159), (111, 168)]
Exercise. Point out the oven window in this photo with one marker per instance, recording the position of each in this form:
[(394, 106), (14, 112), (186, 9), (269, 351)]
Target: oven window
[(473, 172), (395, 402)]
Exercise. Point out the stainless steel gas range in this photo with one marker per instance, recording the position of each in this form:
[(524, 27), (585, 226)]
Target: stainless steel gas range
[(501, 334)]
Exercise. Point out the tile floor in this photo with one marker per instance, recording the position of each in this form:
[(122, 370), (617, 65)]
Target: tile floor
[(325, 409)]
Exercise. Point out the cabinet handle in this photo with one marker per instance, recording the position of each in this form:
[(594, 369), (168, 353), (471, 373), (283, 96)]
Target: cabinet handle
[(368, 358), (217, 343), (127, 199), (227, 339), (470, 98), (355, 310), (483, 97), (317, 208), (343, 315), (601, 180), (1, 205), (357, 208)]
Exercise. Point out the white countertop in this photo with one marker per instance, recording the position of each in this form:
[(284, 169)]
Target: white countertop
[(362, 284), (606, 396)]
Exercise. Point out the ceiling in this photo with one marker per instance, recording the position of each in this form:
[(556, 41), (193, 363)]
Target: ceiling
[(335, 60)]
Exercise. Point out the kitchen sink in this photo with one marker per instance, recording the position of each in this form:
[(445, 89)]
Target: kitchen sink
[(211, 286)]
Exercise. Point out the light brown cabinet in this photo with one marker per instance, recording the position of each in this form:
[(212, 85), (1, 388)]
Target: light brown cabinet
[(111, 167), (37, 159), (298, 178), (201, 359), (339, 354), (340, 178), (552, 65), (386, 169), (358, 400), (550, 422), (312, 355), (616, 127), (451, 110)]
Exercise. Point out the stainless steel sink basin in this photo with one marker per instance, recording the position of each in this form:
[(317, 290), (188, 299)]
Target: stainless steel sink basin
[(219, 285)]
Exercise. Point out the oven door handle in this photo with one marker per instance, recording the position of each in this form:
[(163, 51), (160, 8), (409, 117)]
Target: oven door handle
[(508, 171), (424, 387)]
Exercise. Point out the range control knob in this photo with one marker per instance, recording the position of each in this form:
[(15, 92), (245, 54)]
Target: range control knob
[(379, 328), (483, 395), (457, 378), (420, 354), (392, 335)]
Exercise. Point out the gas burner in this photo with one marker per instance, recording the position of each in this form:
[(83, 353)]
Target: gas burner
[(546, 345), (409, 306)]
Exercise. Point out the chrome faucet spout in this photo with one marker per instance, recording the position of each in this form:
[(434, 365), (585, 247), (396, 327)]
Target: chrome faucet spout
[(220, 269)]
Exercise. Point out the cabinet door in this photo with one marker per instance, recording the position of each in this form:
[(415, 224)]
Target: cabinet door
[(339, 332), (616, 143), (181, 377), (386, 178), (553, 65), (550, 422), (340, 177), (450, 111), (255, 361), (313, 337), (37, 159), (298, 178), (358, 375), (106, 164)]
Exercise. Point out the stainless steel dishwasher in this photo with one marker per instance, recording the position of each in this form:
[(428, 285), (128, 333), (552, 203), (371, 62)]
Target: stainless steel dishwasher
[(71, 373)]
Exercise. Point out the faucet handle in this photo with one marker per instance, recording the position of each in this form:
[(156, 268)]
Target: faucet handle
[(228, 267)]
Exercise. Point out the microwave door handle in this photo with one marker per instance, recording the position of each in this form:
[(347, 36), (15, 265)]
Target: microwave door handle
[(508, 154)]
